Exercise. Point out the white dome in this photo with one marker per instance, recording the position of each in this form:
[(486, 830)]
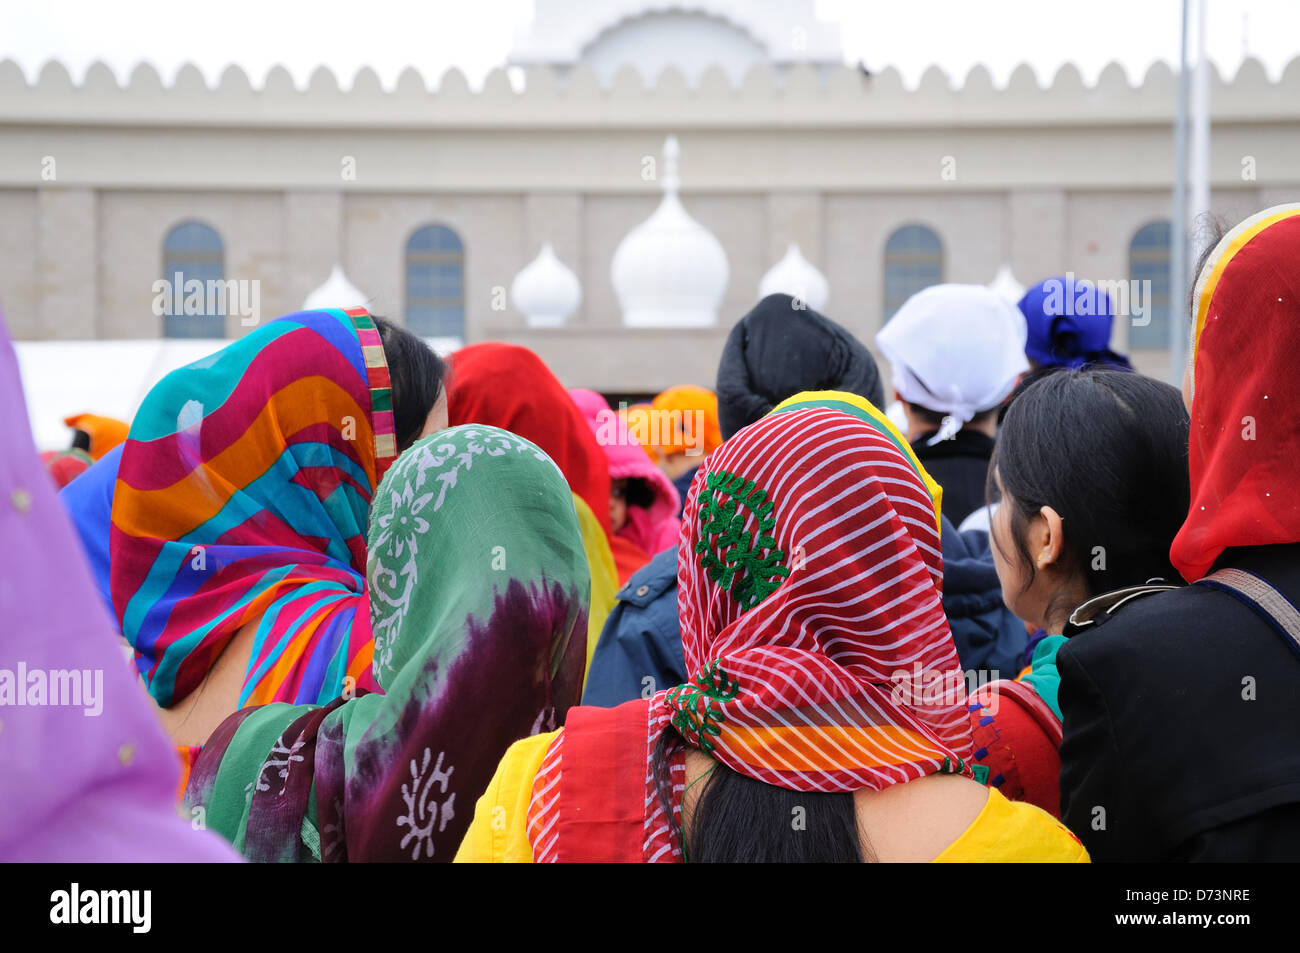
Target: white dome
[(1005, 286), (337, 292), (670, 271), (546, 291), (795, 276)]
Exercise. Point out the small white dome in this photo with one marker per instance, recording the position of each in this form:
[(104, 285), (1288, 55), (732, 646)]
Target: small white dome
[(795, 276), (546, 290), (337, 292), (670, 271), (1005, 286)]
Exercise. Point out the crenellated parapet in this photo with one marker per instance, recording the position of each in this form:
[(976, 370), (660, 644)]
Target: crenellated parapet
[(799, 96)]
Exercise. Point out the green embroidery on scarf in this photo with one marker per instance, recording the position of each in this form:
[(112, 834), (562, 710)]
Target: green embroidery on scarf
[(735, 560), (981, 773), (697, 713), (949, 768)]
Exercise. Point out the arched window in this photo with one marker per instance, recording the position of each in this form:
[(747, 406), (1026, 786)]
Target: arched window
[(913, 260), (435, 282), (192, 252), (1148, 261)]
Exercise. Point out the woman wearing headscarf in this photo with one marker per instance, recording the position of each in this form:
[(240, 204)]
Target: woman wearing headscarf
[(508, 386), (1068, 324), (955, 354), (237, 544), (687, 432), (643, 502), (94, 780), (1180, 711), (478, 600), (826, 717), (97, 434)]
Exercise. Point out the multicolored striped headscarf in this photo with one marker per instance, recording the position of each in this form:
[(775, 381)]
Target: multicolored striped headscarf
[(243, 493), (810, 583), (1244, 445), (479, 583)]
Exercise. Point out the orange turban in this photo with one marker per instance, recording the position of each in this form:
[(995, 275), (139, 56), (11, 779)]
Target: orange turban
[(686, 400), (105, 432)]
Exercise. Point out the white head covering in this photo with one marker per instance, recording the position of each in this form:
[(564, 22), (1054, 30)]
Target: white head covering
[(955, 349)]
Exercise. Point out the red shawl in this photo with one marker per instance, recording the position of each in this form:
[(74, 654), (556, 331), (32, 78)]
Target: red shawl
[(508, 386), (1244, 445)]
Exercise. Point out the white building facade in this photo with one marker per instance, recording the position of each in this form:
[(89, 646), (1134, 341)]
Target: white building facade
[(433, 201)]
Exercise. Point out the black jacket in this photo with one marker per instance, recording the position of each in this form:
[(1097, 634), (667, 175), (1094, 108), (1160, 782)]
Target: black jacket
[(961, 467), (1182, 726)]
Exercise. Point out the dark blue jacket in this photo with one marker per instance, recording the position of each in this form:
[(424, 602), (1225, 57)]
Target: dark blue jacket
[(988, 637), (640, 648)]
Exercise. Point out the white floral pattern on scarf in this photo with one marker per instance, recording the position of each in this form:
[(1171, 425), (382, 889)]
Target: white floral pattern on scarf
[(427, 472)]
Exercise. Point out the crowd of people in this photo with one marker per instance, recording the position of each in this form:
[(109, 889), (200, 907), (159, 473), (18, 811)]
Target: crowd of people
[(339, 599)]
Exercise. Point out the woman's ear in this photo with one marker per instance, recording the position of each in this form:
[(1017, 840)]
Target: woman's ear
[(1050, 540)]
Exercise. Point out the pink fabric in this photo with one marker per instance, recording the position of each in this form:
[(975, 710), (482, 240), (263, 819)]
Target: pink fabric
[(654, 529)]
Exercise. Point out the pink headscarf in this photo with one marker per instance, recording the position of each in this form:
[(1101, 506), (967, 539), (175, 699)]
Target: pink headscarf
[(654, 529), (80, 782)]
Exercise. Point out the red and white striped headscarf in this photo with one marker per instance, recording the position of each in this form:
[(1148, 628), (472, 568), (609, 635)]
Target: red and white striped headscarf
[(810, 580)]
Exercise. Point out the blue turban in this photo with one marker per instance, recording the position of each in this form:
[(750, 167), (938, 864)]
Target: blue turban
[(1069, 324)]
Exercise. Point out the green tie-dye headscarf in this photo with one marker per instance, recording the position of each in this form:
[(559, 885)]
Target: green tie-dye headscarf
[(478, 589)]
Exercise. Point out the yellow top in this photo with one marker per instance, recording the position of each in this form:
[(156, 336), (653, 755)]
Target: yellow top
[(1003, 832), (604, 575)]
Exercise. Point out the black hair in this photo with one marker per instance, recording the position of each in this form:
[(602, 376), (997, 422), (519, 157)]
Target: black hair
[(934, 418), (639, 493), (743, 821), (1107, 450), (80, 440), (418, 377)]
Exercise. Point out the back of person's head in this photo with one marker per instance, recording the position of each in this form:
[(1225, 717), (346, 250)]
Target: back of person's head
[(1107, 451), (1244, 393), (510, 386), (688, 420), (417, 377), (796, 639), (781, 348), (1069, 322), (955, 351)]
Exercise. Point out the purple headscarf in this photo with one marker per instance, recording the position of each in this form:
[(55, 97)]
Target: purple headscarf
[(94, 779)]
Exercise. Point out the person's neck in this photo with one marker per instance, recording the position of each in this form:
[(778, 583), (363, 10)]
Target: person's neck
[(918, 429)]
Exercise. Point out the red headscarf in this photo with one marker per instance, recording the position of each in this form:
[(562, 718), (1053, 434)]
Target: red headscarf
[(810, 581), (810, 591), (1244, 445), (509, 387)]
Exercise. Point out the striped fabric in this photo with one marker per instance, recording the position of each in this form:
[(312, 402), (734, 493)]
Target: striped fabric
[(809, 587), (243, 494)]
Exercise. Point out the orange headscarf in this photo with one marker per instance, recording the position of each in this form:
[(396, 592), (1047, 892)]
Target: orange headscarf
[(687, 399), (105, 432)]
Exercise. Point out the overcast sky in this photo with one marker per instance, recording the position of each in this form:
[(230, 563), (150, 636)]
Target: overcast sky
[(476, 35)]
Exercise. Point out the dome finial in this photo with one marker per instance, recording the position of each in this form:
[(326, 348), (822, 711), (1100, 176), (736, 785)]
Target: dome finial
[(670, 271), (672, 152), (546, 290)]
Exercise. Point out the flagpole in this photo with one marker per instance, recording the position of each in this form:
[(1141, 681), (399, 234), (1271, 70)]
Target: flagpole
[(1179, 321)]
